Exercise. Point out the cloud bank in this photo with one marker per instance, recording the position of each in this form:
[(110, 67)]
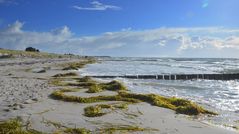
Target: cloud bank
[(170, 42), (98, 6)]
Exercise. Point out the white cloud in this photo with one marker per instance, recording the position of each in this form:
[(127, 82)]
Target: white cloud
[(175, 42), (14, 28), (15, 38), (97, 6)]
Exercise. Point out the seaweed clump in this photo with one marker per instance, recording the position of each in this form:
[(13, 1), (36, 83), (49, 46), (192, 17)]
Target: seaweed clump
[(93, 111), (77, 131), (14, 126), (59, 95), (65, 75), (123, 129), (96, 111), (181, 106), (81, 82), (77, 65), (111, 86)]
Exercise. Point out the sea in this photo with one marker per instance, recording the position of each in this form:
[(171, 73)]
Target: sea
[(216, 95)]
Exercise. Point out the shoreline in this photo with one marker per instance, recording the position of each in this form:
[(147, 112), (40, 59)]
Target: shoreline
[(27, 97)]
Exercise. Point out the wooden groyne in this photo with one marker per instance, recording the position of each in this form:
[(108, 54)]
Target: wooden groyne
[(177, 76)]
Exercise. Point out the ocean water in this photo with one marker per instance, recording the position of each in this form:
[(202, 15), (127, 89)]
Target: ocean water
[(216, 95)]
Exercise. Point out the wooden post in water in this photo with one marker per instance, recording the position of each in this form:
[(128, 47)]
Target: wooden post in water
[(178, 76)]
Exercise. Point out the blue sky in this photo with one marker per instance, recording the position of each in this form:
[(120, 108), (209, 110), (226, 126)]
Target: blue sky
[(159, 28)]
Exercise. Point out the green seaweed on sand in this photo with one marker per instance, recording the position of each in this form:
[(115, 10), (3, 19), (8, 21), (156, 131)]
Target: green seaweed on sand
[(121, 106), (70, 89), (94, 88), (14, 126), (77, 65), (86, 82), (96, 111), (181, 106), (85, 79), (58, 82), (76, 131), (111, 86), (65, 75), (93, 111), (59, 95), (111, 129)]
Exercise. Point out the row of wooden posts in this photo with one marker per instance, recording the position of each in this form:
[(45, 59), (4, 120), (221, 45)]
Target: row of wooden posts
[(177, 76)]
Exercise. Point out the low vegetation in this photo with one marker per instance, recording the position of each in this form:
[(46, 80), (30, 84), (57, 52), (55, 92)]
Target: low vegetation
[(19, 53)]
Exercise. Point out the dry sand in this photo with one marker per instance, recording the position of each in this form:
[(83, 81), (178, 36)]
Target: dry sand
[(25, 94)]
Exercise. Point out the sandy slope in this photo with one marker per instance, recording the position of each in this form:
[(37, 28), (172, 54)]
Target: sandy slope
[(25, 94)]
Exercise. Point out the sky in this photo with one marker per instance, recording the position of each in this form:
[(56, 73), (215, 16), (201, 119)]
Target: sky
[(134, 28)]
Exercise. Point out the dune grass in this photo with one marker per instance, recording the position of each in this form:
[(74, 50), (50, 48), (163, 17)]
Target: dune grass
[(19, 53)]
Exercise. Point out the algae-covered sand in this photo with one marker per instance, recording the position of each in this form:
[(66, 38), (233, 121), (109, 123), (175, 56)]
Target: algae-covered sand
[(60, 100)]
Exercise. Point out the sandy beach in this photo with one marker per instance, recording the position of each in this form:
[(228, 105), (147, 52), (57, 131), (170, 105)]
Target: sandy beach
[(26, 87)]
